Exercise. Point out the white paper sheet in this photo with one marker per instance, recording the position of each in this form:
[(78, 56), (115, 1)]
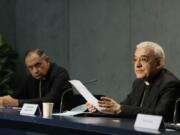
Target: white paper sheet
[(67, 113), (85, 93), (79, 108), (74, 111)]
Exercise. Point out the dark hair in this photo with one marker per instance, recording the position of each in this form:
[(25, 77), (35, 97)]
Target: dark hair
[(38, 51)]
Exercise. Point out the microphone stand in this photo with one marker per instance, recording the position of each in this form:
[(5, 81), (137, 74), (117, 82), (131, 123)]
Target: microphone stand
[(62, 98), (71, 89)]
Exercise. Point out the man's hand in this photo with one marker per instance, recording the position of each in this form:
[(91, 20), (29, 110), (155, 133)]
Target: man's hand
[(8, 100), (90, 107), (109, 105)]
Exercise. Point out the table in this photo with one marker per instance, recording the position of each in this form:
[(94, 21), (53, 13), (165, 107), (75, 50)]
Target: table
[(12, 122)]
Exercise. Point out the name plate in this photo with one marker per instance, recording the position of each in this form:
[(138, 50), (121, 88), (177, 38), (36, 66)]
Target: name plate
[(152, 122), (29, 109)]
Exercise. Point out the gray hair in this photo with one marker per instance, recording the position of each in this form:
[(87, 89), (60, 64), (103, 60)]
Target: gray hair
[(38, 51), (158, 50)]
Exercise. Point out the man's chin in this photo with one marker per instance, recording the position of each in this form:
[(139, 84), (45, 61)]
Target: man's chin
[(37, 77), (141, 77)]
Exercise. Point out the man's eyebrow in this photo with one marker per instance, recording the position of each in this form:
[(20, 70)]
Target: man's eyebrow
[(143, 56), (38, 62)]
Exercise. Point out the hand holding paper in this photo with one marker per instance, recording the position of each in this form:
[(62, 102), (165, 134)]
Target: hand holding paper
[(104, 105), (85, 93)]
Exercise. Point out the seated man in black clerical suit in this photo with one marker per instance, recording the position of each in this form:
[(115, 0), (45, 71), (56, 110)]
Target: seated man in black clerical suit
[(154, 91), (46, 83)]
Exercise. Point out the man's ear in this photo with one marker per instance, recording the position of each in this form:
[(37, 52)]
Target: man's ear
[(159, 63), (47, 59)]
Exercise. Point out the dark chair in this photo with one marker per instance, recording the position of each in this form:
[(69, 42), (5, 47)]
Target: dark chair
[(176, 118)]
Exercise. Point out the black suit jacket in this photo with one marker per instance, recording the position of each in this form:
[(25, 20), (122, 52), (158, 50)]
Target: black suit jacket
[(163, 91), (53, 86)]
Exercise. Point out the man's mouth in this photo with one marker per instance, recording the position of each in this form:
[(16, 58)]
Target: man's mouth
[(139, 71), (38, 76)]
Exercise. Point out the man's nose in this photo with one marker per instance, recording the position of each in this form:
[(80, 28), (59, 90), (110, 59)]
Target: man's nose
[(35, 70), (138, 63)]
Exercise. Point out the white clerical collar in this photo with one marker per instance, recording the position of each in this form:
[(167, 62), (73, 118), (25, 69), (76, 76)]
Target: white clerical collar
[(147, 83), (43, 78)]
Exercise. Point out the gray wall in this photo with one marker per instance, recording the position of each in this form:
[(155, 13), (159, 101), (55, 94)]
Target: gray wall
[(103, 35), (8, 20), (94, 39), (42, 24), (100, 44), (158, 20)]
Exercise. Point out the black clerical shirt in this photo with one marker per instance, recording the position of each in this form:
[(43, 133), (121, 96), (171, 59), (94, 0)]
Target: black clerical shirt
[(52, 87), (162, 94)]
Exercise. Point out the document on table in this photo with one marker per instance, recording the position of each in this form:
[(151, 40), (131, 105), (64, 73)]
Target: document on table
[(85, 93), (74, 111), (67, 113), (10, 107)]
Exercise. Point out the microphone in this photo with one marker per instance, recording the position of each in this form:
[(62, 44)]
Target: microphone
[(176, 117), (90, 81), (71, 89)]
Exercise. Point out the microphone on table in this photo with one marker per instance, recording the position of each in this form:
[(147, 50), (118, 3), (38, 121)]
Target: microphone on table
[(71, 90)]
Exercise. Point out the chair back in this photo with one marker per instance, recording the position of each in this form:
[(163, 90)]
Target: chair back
[(176, 118)]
